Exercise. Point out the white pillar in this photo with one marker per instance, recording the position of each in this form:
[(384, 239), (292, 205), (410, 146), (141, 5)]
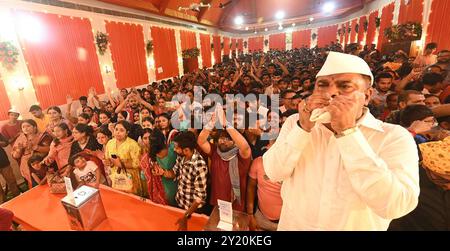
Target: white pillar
[(150, 58), (314, 41), (179, 52), (245, 41), (396, 11), (425, 22), (289, 40), (199, 46), (266, 47)]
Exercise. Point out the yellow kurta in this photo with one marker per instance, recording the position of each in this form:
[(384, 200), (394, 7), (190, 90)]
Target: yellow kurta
[(129, 152)]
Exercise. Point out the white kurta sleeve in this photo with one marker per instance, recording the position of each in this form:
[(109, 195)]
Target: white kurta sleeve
[(387, 181), (281, 159)]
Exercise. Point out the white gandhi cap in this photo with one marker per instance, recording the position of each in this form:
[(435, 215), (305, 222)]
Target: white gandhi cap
[(338, 63)]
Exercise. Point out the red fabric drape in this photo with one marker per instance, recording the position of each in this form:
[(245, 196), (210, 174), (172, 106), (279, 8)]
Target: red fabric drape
[(326, 35), (128, 53), (233, 45), (63, 60), (4, 102), (240, 44), (217, 50), (362, 20), (347, 34), (277, 41), (205, 43), (353, 32), (439, 29), (371, 30), (226, 46), (188, 40), (165, 52), (411, 12), (256, 44), (301, 38), (386, 20)]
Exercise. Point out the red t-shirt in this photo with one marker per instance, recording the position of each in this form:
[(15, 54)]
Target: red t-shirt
[(220, 179), (11, 131)]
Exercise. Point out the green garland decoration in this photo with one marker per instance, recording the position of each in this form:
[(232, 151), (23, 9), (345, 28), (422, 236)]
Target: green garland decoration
[(8, 55), (404, 32), (191, 53), (102, 41)]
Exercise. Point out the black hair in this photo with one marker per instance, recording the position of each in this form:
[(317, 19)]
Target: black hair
[(55, 108), (432, 79), (125, 124), (83, 128), (431, 46), (404, 95), (35, 108), (85, 116), (88, 107), (108, 114), (158, 143), (124, 114), (31, 122), (285, 92), (83, 98), (74, 157), (186, 139), (414, 112), (64, 127), (383, 75), (148, 119), (35, 158), (105, 131)]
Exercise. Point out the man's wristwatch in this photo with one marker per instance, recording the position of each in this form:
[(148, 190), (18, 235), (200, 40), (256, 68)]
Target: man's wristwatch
[(346, 132)]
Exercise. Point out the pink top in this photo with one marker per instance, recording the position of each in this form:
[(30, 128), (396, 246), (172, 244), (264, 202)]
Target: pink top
[(60, 153), (269, 198)]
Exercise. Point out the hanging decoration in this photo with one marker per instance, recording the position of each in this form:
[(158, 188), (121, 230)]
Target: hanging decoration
[(101, 39), (149, 47), (357, 28), (212, 46), (349, 29), (221, 45), (377, 22), (245, 44), (231, 45), (266, 42), (314, 36), (366, 26), (339, 32), (8, 55), (404, 32), (237, 44), (191, 53)]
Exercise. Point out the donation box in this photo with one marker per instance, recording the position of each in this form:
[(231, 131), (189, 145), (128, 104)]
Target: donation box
[(84, 208)]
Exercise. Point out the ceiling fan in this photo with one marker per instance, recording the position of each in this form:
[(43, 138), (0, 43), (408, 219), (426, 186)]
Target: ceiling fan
[(197, 6)]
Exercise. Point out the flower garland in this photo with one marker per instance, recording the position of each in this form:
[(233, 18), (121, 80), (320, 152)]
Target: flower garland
[(404, 32), (149, 47), (377, 22), (366, 26), (191, 53), (357, 28), (101, 39), (8, 55), (314, 36), (212, 46), (266, 42), (245, 44)]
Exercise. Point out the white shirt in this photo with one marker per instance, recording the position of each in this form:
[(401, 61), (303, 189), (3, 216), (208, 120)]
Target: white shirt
[(88, 174), (356, 182)]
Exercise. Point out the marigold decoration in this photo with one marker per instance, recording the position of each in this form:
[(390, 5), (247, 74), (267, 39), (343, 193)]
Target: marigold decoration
[(339, 32), (314, 36), (377, 22), (237, 44), (357, 28), (221, 45), (212, 46), (366, 26), (349, 30), (191, 53), (404, 32), (101, 39), (245, 44), (8, 55), (149, 47), (266, 42)]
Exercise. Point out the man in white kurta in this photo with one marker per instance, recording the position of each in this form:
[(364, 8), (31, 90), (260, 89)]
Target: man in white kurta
[(342, 176)]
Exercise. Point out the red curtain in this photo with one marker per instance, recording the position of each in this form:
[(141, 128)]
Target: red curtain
[(188, 40), (256, 44), (326, 35), (240, 44), (226, 46), (165, 52), (438, 28), (128, 53), (217, 50), (411, 12), (4, 102), (277, 41), (301, 38), (205, 43), (347, 34), (362, 20), (386, 20), (61, 56), (371, 30), (353, 32), (233, 45)]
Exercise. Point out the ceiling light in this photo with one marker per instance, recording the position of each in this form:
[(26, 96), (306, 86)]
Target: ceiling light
[(266, 29), (280, 27), (328, 7), (246, 28), (279, 15), (311, 19), (255, 32), (293, 24), (239, 20)]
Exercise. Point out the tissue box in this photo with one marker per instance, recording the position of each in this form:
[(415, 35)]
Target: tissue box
[(84, 209)]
